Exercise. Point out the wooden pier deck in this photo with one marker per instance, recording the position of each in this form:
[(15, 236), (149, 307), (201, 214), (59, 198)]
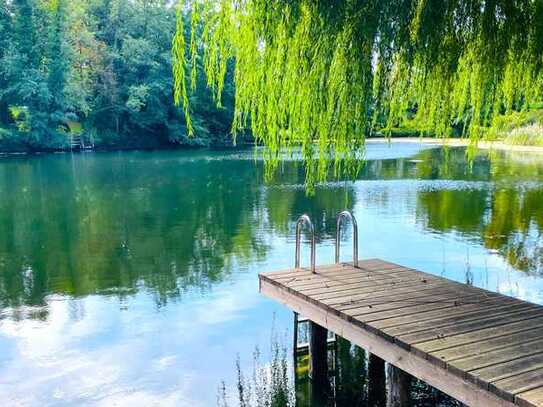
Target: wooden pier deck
[(483, 348)]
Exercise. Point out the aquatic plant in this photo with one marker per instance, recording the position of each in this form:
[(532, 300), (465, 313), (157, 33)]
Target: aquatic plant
[(322, 74), (272, 384), (269, 385)]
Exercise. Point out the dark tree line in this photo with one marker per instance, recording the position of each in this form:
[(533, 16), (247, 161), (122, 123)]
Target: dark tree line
[(100, 69)]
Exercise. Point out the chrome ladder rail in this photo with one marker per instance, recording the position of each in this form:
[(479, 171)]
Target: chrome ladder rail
[(304, 219), (298, 320), (347, 215)]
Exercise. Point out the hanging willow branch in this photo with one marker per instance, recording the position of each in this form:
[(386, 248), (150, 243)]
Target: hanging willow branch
[(322, 74)]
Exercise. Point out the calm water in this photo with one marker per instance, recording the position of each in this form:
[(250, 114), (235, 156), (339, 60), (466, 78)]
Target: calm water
[(130, 278)]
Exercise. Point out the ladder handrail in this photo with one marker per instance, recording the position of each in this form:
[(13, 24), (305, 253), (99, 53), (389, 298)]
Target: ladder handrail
[(307, 220), (350, 216)]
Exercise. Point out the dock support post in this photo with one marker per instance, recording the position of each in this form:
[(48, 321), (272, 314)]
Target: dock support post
[(398, 388), (376, 381), (318, 355)]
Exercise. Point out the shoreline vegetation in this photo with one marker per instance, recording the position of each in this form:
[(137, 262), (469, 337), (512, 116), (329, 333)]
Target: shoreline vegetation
[(325, 75), (105, 74), (500, 145), (460, 142)]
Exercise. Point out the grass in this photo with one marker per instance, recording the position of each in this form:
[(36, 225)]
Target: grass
[(518, 128), (531, 135), (515, 128)]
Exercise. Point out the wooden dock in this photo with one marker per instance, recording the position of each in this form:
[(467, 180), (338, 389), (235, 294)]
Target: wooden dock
[(480, 347)]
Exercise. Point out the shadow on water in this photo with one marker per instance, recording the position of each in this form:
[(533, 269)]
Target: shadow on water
[(285, 383)]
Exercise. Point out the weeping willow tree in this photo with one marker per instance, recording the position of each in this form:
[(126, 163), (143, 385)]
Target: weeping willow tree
[(322, 74)]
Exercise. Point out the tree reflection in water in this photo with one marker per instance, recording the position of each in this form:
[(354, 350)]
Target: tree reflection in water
[(164, 222), (500, 205)]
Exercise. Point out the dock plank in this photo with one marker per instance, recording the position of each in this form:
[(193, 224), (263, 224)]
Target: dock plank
[(520, 383), (526, 312), (451, 354), (494, 373), (451, 320), (495, 357), (481, 347), (530, 398), (481, 336), (438, 315)]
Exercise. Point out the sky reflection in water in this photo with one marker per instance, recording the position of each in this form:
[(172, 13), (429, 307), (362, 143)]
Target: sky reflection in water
[(131, 277)]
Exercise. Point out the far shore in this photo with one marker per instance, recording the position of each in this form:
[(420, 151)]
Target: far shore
[(458, 142)]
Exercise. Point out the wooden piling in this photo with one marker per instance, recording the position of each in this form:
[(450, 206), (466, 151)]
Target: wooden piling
[(399, 384), (376, 381), (318, 354), (318, 364)]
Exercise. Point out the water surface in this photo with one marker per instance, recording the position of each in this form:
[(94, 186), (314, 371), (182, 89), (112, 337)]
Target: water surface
[(131, 278)]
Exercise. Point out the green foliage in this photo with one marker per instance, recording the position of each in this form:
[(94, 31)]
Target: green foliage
[(323, 74), (105, 64), (531, 135), (20, 116), (508, 122)]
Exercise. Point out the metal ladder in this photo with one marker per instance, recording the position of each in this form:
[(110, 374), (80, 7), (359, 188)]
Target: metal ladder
[(299, 320)]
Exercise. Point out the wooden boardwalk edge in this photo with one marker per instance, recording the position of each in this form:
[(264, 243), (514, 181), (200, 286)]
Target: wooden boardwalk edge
[(365, 337)]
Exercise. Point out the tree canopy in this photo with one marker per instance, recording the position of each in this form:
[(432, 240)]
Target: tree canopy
[(99, 68), (323, 74)]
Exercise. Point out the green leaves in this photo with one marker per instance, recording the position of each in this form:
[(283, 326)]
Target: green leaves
[(179, 66), (323, 75)]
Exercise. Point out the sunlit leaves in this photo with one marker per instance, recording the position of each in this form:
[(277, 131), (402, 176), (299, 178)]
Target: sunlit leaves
[(179, 67), (323, 74)]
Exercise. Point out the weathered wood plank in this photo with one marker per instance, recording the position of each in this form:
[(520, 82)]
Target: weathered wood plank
[(481, 347), (378, 290), (525, 312), (380, 297), (447, 320), (435, 345), (496, 357), (363, 266), (325, 288), (421, 368), (342, 278), (504, 370), (420, 297), (370, 286), (439, 314), (451, 354), (385, 312), (530, 398), (519, 383)]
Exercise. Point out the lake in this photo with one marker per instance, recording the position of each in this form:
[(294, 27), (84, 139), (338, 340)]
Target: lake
[(131, 277)]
